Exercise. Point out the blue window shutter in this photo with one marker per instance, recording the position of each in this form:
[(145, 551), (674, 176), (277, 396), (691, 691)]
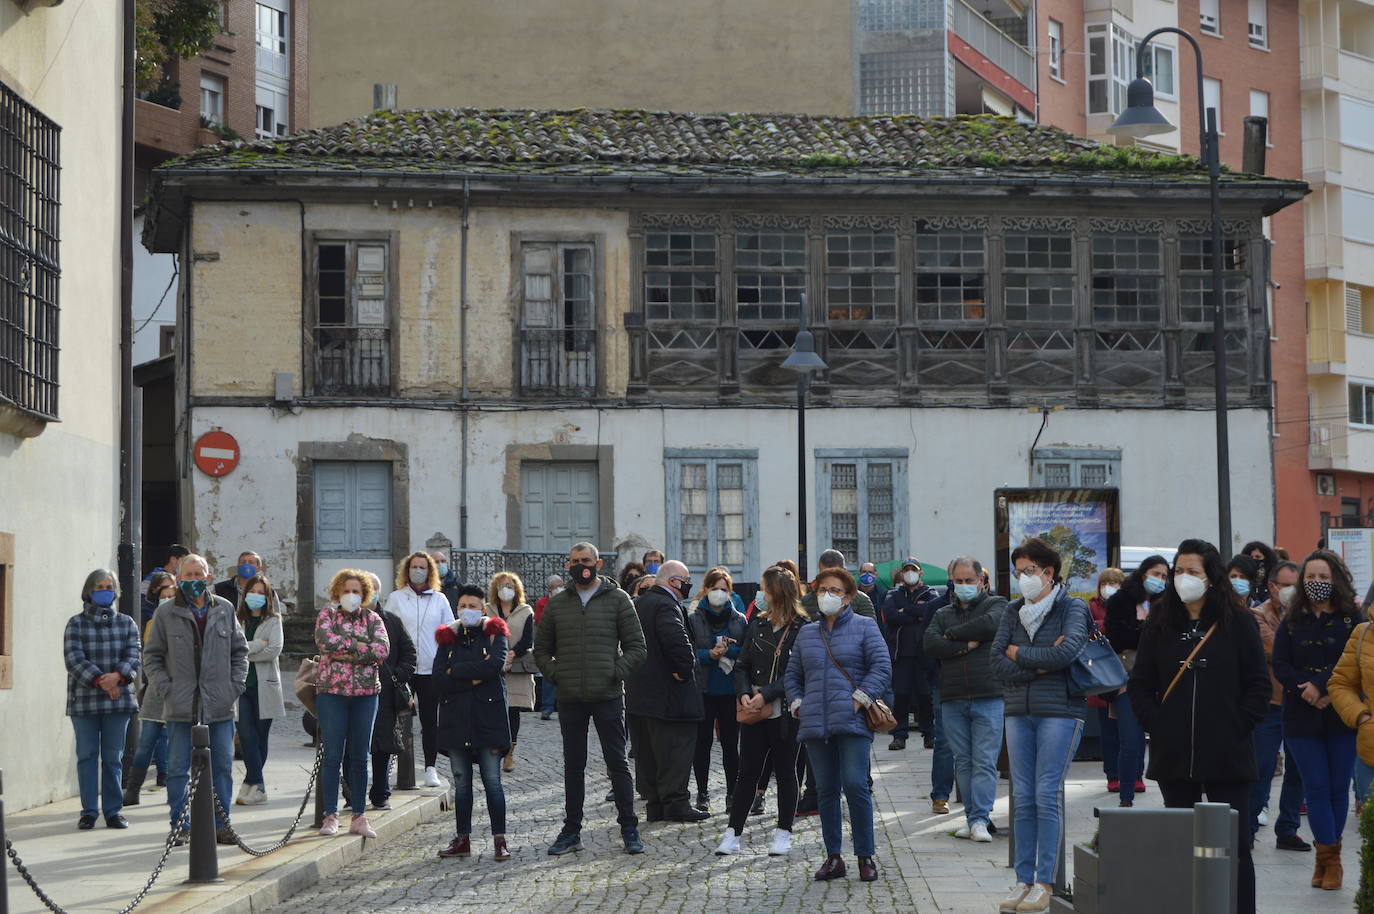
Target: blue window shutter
[(332, 508), (372, 524)]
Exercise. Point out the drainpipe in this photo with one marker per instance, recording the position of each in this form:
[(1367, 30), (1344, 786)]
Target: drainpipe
[(129, 494), (463, 369)]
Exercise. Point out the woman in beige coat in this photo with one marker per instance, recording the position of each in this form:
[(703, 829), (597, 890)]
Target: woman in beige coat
[(259, 612), (506, 601)]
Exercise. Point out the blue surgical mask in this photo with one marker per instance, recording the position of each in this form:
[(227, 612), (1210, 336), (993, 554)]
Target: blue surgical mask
[(651, 568), (868, 579), (1154, 586), (443, 569), (103, 598), (247, 571), (255, 601), (1241, 586), (965, 592)]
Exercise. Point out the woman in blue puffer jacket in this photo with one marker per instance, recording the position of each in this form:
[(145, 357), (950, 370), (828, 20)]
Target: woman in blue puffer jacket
[(839, 666)]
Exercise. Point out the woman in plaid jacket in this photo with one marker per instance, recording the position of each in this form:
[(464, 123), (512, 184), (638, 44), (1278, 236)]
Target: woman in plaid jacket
[(102, 654)]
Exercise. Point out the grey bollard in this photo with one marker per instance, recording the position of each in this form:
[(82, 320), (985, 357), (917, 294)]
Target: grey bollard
[(4, 858), (204, 858), (319, 791), (405, 756), (1212, 850)]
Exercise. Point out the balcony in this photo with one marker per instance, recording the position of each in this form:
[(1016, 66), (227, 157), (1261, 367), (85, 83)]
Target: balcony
[(167, 130), (558, 363), (994, 44)]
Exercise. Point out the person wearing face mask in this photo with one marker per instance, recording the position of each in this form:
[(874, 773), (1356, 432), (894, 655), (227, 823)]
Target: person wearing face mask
[(871, 585), (152, 595), (1199, 686), (261, 701), (1039, 636), (1307, 646), (448, 578), (422, 607), (152, 734), (506, 601), (353, 645), (907, 610), (587, 644), (548, 695), (652, 560), (1266, 561), (1109, 581), (1280, 587), (837, 669), (473, 727), (196, 664), (395, 702), (248, 567), (1243, 573), (1125, 617), (101, 651), (971, 707), (717, 627), (629, 575)]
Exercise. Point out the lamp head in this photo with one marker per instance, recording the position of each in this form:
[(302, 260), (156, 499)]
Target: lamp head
[(1141, 117), (803, 356)]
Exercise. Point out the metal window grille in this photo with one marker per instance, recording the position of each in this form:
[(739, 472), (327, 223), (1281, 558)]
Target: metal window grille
[(29, 263), (476, 566)]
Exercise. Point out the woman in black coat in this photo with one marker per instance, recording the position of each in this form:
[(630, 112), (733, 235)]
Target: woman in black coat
[(1200, 729), (473, 726), (392, 708)]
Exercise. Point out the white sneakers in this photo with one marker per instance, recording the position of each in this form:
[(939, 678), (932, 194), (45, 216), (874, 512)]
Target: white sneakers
[(432, 777), (1036, 900), (330, 827), (963, 831), (243, 792), (360, 826), (1264, 816), (729, 844), (980, 832), (1012, 903), (251, 795), (782, 843)]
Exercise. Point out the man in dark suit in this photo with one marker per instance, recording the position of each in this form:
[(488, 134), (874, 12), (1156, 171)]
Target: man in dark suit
[(663, 705), (249, 565)]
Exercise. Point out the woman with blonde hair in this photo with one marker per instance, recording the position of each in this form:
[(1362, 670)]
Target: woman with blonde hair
[(759, 691), (716, 627), (419, 602), (353, 644), (506, 601)]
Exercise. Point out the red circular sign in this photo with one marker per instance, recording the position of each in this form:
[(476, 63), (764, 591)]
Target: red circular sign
[(217, 453)]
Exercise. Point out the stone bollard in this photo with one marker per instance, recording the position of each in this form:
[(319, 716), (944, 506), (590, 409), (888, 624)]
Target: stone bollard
[(204, 857), (405, 755), (319, 791), (1212, 850)]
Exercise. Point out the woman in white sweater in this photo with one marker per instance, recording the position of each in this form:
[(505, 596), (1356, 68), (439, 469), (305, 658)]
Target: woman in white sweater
[(418, 601)]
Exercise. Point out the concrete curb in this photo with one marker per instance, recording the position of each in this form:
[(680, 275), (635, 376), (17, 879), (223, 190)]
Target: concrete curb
[(256, 884)]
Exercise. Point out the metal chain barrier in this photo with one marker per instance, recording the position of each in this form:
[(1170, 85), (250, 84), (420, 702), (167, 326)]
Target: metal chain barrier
[(178, 829), (309, 788)]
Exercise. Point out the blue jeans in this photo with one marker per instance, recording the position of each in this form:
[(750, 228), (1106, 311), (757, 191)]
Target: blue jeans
[(489, 765), (941, 760), (549, 696), (345, 720), (973, 729), (1110, 742), (1267, 739), (99, 761), (1364, 774), (1130, 748), (253, 733), (152, 744), (841, 763), (1040, 750), (179, 765), (1326, 763)]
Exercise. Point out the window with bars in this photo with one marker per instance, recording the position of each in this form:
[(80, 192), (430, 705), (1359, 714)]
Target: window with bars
[(29, 256), (951, 275), (681, 276), (352, 330), (1076, 468), (1039, 277), (713, 508), (1195, 279), (1127, 279), (770, 275), (558, 321), (861, 276), (861, 503)]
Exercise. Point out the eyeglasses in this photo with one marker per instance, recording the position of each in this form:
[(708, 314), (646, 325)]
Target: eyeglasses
[(836, 591), (1031, 569)]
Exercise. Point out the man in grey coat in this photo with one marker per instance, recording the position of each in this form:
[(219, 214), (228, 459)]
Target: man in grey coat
[(196, 662)]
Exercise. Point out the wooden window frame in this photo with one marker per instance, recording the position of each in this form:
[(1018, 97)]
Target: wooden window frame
[(310, 306), (899, 458), (673, 460)]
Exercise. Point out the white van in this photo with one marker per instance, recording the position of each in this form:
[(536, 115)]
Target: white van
[(1132, 556)]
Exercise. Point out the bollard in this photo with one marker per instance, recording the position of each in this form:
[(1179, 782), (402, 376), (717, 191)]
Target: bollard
[(4, 858), (1212, 850), (204, 858), (405, 755), (319, 791)]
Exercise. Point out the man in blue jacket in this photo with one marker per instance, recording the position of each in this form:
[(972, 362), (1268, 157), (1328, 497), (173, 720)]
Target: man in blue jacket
[(907, 610)]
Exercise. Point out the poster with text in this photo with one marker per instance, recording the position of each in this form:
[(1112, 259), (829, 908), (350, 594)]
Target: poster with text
[(1355, 545), (1082, 525)]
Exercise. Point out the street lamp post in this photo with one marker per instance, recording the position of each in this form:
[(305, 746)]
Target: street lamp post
[(803, 360), (1141, 118)]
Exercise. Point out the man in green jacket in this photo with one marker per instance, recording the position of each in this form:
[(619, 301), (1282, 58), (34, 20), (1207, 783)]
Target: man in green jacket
[(587, 643), (862, 605)]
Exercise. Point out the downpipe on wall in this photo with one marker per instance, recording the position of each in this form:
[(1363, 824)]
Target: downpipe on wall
[(463, 368)]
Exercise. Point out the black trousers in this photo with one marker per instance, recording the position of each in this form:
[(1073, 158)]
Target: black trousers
[(720, 710), (574, 719), (759, 743), (427, 697), (911, 690), (663, 761), (1236, 794), (513, 715)]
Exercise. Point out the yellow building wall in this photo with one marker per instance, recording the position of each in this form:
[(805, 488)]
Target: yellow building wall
[(681, 55)]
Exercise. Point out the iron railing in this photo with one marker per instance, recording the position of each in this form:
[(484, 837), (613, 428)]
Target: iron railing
[(29, 270), (476, 566), (352, 360), (993, 43), (558, 362)]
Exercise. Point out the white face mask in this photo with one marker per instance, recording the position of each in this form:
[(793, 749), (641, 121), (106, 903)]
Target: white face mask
[(911, 578), (1031, 586), (556, 591), (1109, 591), (419, 575), (829, 603), (351, 601), (471, 618), (506, 593), (718, 597), (1286, 595), (1190, 587)]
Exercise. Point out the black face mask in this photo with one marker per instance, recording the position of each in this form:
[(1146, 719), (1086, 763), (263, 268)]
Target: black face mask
[(685, 589), (583, 574)]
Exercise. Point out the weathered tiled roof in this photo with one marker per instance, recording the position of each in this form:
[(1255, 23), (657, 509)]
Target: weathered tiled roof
[(592, 142)]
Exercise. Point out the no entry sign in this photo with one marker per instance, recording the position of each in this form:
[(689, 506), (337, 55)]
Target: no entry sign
[(217, 453)]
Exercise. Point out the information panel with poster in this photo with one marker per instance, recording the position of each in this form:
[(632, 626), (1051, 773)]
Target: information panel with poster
[(1355, 546), (1083, 525)]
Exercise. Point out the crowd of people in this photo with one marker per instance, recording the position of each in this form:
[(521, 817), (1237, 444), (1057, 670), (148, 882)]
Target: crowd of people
[(794, 685)]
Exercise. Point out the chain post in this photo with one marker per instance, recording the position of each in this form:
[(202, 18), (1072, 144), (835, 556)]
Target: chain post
[(405, 755), (319, 794), (204, 857), (4, 883)]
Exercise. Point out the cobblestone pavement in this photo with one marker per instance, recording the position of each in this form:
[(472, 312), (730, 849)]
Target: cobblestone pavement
[(678, 872)]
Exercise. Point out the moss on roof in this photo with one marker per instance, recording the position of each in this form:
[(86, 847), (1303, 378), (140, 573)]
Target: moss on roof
[(636, 143)]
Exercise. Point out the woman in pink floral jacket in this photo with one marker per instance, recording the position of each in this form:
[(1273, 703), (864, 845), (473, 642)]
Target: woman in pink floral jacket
[(353, 644)]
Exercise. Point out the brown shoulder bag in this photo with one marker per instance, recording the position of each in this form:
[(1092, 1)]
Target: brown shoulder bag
[(877, 715)]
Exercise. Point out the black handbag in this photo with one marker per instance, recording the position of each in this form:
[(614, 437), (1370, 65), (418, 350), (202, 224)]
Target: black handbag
[(1097, 668), (401, 699)]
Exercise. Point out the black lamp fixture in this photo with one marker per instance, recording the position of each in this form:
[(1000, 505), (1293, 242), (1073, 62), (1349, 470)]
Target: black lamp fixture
[(803, 359)]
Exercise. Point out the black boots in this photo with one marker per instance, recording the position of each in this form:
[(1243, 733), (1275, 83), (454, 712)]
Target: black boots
[(133, 784)]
